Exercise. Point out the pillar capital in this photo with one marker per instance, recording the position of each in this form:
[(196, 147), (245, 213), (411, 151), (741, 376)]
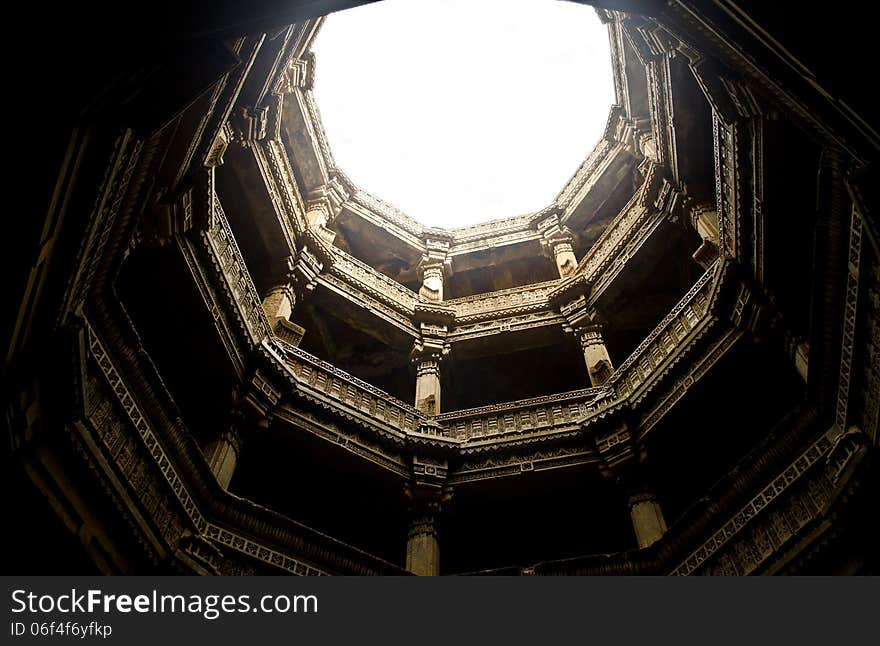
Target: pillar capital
[(618, 452), (218, 147), (298, 74), (589, 335), (703, 217), (431, 346), (254, 399)]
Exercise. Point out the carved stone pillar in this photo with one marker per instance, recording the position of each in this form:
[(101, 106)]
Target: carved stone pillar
[(434, 266), (323, 205), (427, 496), (279, 302), (427, 354), (623, 460), (429, 351), (222, 455), (563, 254), (428, 385), (599, 366), (799, 353), (647, 518), (432, 281), (422, 547), (558, 241), (704, 219), (278, 305)]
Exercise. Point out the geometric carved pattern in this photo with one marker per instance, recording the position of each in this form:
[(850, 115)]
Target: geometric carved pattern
[(555, 412), (742, 519), (666, 339), (225, 253), (728, 170), (174, 481), (851, 299)]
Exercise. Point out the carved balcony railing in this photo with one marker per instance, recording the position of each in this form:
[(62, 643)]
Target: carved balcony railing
[(277, 172), (619, 232), (538, 414), (667, 338), (323, 382), (317, 127), (332, 387), (225, 253), (500, 238), (374, 282), (600, 155), (387, 212), (517, 299)]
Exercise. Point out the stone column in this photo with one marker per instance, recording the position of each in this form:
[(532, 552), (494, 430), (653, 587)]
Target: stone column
[(704, 219), (323, 205), (647, 518), (558, 241), (625, 463), (599, 366), (427, 355), (798, 351), (428, 385), (422, 547), (566, 261), (435, 264), (432, 281), (222, 455), (427, 497), (278, 303)]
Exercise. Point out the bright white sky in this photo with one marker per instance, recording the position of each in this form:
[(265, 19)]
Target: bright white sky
[(463, 111)]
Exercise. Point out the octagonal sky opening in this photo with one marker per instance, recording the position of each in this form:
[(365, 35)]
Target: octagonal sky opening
[(459, 112)]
